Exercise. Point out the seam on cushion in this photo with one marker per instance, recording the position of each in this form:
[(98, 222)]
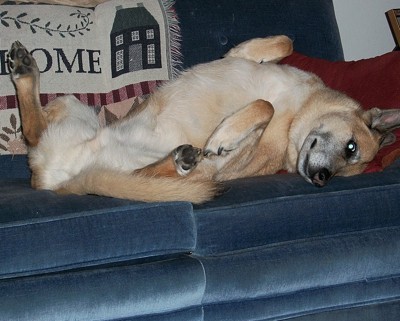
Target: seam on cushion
[(303, 241), (282, 295), (186, 309), (305, 291), (70, 216), (205, 280), (337, 308), (95, 263), (299, 196)]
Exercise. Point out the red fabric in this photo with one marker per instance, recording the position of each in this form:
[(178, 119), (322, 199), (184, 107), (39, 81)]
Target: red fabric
[(374, 82)]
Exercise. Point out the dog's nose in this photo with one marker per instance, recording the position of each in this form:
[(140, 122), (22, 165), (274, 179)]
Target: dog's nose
[(321, 177)]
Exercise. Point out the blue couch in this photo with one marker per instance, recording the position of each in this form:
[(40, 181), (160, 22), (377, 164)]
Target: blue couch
[(270, 248)]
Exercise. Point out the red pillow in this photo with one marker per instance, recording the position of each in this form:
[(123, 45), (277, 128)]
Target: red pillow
[(374, 82)]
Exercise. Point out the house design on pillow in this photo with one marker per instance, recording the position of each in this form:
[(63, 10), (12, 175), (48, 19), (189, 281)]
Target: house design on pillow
[(135, 41)]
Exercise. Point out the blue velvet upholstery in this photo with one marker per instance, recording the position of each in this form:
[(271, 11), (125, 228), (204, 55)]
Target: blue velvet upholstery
[(210, 28), (47, 232), (38, 245), (270, 248), (271, 201), (294, 267), (105, 294), (362, 301)]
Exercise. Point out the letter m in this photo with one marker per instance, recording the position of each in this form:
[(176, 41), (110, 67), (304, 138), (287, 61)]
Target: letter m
[(63, 60)]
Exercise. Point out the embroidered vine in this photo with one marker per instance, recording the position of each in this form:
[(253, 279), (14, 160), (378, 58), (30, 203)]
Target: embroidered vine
[(35, 24)]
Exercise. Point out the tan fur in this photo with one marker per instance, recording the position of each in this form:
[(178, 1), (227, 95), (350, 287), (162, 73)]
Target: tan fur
[(248, 119), (163, 168), (32, 118), (144, 188), (55, 111), (254, 49)]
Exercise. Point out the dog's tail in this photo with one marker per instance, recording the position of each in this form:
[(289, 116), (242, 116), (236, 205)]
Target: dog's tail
[(138, 187)]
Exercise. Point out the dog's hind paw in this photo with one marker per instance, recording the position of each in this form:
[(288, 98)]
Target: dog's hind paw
[(20, 61), (220, 143), (186, 158)]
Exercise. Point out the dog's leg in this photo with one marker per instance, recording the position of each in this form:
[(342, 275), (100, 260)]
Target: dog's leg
[(180, 162), (25, 75), (227, 145), (263, 49), (237, 127)]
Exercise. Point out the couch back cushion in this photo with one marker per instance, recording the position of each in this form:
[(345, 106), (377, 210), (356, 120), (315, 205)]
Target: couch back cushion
[(211, 27)]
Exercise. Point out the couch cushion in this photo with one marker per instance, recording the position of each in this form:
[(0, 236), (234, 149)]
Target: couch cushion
[(41, 231), (362, 301), (169, 290), (14, 166), (279, 208), (290, 279), (64, 234)]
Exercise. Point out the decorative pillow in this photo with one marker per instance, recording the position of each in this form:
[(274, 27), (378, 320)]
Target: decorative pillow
[(374, 82), (110, 56)]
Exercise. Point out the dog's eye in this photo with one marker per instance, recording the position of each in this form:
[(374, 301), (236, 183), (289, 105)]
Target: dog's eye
[(351, 148)]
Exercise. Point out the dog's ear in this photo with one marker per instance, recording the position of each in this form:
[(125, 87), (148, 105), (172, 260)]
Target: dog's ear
[(383, 121)]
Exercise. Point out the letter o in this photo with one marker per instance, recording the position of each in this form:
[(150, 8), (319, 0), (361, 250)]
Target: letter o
[(47, 59)]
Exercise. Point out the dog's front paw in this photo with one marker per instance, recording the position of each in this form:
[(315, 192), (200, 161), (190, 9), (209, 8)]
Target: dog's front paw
[(186, 158), (20, 61)]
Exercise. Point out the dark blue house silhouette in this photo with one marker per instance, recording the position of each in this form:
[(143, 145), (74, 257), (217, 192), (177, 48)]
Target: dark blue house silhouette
[(135, 41)]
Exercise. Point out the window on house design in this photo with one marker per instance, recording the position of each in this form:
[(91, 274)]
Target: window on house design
[(150, 34), (119, 40), (119, 60), (151, 54), (135, 35)]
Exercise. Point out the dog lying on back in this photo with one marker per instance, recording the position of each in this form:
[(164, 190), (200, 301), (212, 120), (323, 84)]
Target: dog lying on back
[(246, 115)]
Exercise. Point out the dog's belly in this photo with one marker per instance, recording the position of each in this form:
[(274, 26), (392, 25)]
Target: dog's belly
[(78, 142), (62, 153), (134, 150), (202, 97)]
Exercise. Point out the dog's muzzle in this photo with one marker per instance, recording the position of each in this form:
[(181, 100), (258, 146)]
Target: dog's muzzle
[(314, 163)]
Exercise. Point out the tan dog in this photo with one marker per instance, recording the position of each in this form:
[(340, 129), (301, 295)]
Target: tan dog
[(249, 117)]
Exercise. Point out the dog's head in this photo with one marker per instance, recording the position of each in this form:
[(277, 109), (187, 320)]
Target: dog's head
[(344, 142)]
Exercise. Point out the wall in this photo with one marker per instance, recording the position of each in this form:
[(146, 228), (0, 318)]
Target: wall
[(363, 27)]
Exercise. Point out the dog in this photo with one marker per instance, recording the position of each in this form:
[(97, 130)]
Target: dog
[(239, 116)]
